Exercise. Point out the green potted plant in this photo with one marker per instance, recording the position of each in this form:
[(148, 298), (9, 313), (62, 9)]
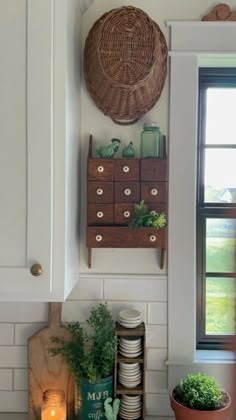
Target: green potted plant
[(199, 397), (145, 217), (91, 355)]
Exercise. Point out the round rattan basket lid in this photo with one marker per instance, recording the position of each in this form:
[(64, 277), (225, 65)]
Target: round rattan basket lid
[(125, 63)]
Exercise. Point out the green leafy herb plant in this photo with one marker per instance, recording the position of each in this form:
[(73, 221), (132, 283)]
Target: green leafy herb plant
[(90, 354), (200, 392), (145, 217)]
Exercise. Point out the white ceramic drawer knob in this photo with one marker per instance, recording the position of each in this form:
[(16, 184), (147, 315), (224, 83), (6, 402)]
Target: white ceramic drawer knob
[(127, 191), (98, 238), (99, 191), (100, 214), (125, 169), (152, 238), (126, 213), (154, 191), (100, 168)]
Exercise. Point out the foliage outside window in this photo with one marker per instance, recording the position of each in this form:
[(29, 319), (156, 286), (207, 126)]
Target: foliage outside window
[(216, 208)]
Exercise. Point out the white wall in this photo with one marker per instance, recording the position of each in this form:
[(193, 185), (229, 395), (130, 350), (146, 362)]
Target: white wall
[(134, 278)]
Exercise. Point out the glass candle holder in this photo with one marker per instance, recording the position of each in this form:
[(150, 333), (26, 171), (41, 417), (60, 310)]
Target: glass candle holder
[(53, 405)]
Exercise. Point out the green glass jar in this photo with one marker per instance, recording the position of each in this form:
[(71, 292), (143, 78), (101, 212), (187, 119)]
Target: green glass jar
[(150, 140)]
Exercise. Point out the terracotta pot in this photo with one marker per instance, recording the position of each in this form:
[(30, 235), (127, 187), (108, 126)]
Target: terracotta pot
[(185, 413)]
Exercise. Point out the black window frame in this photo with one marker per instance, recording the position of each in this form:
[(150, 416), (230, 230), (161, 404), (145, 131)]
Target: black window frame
[(209, 77)]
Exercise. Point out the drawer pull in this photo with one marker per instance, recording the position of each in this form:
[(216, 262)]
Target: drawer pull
[(99, 191), (100, 214), (126, 213), (154, 191), (98, 238), (127, 191), (152, 238), (125, 169), (36, 270), (100, 168)]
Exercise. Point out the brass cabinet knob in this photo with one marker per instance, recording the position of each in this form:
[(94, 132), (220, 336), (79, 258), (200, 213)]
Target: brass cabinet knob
[(99, 191), (100, 214), (125, 169), (100, 169), (127, 191), (36, 270), (126, 213), (152, 238), (98, 238), (154, 191)]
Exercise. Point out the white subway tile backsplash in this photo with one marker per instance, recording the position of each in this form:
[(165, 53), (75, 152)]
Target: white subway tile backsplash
[(6, 380), (20, 379), (13, 357), (80, 311), (6, 334), (156, 359), (14, 401), (24, 331), (158, 405), (135, 289), (87, 289), (156, 336), (77, 311), (157, 313), (156, 382), (23, 312)]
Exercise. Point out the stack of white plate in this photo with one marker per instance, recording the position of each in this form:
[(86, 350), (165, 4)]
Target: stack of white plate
[(130, 347), (130, 318), (130, 407), (129, 374)]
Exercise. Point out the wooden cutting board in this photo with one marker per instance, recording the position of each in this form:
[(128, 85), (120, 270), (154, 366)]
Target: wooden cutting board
[(47, 371)]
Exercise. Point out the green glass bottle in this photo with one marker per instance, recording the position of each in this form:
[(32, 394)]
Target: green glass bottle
[(150, 140)]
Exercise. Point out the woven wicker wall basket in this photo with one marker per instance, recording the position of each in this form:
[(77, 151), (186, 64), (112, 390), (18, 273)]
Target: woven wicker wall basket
[(125, 64)]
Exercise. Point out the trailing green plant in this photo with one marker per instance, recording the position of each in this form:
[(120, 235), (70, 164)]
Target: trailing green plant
[(200, 392), (90, 355), (145, 217)]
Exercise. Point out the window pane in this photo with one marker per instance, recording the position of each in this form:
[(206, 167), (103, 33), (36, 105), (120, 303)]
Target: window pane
[(220, 176), (220, 245), (220, 116), (220, 306)]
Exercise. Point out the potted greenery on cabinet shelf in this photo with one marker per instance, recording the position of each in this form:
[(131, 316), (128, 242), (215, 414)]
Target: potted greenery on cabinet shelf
[(90, 354), (199, 397)]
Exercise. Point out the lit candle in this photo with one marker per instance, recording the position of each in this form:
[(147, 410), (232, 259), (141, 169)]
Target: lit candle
[(53, 405)]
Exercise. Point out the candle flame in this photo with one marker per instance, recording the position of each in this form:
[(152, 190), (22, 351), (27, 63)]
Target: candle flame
[(53, 413)]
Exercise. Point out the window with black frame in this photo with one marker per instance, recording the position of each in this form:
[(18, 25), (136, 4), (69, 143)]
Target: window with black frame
[(216, 208)]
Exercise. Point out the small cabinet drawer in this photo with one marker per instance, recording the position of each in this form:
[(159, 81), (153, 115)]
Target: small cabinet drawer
[(124, 213), (153, 169), (100, 214), (127, 192), (100, 192), (126, 169), (154, 192), (100, 169), (120, 236)]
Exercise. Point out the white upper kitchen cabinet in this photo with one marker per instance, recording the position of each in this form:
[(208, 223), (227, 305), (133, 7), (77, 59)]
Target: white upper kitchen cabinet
[(39, 148)]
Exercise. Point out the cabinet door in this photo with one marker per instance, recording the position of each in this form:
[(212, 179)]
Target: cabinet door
[(26, 42)]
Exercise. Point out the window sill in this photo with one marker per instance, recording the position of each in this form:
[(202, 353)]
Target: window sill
[(216, 363), (214, 356)]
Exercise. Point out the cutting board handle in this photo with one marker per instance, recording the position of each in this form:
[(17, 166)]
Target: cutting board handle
[(54, 314)]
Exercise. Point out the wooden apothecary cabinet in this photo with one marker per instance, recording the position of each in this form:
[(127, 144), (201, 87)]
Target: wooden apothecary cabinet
[(114, 186)]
